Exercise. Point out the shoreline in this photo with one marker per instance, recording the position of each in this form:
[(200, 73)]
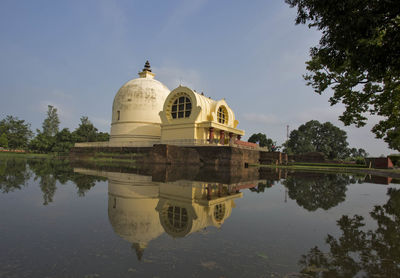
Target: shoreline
[(393, 173), (105, 159)]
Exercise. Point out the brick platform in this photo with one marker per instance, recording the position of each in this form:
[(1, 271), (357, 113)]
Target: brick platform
[(176, 155)]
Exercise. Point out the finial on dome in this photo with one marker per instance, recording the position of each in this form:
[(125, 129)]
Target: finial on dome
[(139, 249), (146, 72), (147, 66)]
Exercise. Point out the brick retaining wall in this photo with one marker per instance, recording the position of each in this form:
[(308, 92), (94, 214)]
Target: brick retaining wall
[(175, 155)]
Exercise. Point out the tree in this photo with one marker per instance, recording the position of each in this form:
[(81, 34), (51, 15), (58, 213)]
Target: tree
[(45, 140), (102, 136), (51, 123), (358, 58), (316, 137), (65, 140), (42, 142), (17, 131), (3, 141), (86, 132), (263, 141)]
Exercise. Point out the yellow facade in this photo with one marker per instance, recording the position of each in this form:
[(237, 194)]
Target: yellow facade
[(187, 115)]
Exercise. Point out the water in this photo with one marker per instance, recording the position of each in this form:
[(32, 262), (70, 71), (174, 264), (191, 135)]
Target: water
[(63, 220)]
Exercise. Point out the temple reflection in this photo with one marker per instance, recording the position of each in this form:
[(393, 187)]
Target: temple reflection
[(144, 203), (185, 206), (142, 207)]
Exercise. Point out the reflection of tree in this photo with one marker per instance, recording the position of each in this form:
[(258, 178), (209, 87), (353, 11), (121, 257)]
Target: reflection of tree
[(85, 183), (261, 186), (48, 172), (318, 190), (48, 187), (13, 174), (372, 253)]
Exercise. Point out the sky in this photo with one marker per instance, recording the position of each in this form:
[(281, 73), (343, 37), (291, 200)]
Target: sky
[(75, 55)]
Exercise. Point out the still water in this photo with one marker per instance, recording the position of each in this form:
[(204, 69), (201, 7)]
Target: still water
[(63, 220)]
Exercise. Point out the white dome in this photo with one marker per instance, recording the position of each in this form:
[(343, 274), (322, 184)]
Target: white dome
[(136, 107)]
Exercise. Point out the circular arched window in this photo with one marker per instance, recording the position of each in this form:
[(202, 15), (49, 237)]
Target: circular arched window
[(177, 218), (181, 108), (222, 115)]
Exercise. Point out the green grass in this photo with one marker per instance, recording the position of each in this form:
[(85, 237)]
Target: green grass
[(110, 159), (329, 165), (339, 169), (26, 155), (120, 155)]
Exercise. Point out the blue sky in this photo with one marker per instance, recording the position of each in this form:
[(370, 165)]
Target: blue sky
[(75, 55)]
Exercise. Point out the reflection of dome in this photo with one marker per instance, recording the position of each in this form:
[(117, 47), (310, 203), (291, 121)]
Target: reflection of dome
[(132, 214), (136, 107)]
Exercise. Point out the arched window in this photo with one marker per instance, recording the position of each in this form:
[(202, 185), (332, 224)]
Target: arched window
[(118, 115), (181, 108), (219, 212), (222, 115), (177, 218)]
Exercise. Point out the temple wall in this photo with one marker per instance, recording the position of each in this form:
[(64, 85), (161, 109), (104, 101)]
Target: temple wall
[(175, 155)]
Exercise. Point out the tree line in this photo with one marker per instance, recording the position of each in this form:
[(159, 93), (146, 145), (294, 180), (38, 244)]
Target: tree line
[(314, 136), (17, 134)]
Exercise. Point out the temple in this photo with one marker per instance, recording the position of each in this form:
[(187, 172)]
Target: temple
[(145, 112), (160, 124)]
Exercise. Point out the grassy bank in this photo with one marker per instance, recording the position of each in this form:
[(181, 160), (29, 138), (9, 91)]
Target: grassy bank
[(110, 160), (27, 155), (338, 168)]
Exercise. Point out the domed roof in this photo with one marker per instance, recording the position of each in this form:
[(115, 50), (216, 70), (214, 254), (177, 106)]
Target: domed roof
[(136, 106)]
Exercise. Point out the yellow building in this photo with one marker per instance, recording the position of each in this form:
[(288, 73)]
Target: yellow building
[(145, 113), (191, 117)]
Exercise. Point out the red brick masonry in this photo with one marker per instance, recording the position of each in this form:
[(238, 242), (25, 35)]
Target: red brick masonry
[(379, 162), (246, 144)]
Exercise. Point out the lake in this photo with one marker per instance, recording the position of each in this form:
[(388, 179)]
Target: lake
[(96, 220)]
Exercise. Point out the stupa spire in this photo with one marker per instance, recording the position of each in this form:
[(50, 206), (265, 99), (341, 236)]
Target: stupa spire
[(146, 72), (147, 66)]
